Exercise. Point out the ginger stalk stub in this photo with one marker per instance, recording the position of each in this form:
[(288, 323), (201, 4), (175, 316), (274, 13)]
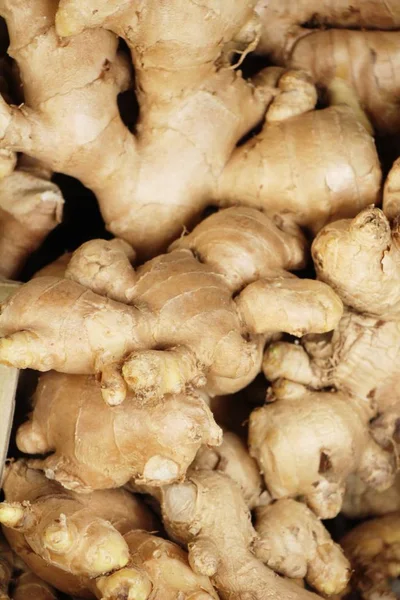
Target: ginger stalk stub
[(81, 535), (373, 549), (195, 117), (139, 345), (151, 442), (355, 40)]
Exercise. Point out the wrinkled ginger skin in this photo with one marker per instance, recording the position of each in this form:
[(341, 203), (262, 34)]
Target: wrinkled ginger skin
[(141, 344), (373, 549), (81, 535), (232, 458), (194, 109), (157, 570), (363, 501), (97, 447), (293, 542), (220, 541), (353, 39), (315, 465)]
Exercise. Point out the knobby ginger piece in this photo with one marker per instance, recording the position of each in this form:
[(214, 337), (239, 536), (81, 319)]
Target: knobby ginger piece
[(220, 540), (79, 535), (94, 446), (290, 538), (30, 208), (359, 259), (196, 316), (354, 39), (195, 107), (373, 549)]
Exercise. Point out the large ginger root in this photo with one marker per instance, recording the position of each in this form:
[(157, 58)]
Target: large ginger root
[(28, 586), (362, 500), (157, 570), (359, 259), (290, 539), (209, 514), (353, 39), (173, 322), (30, 207), (194, 109), (81, 535), (374, 552), (95, 446)]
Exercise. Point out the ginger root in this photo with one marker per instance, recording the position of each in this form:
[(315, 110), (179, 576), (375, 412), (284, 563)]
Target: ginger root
[(290, 538), (359, 259), (122, 324), (30, 207), (362, 500), (353, 39), (374, 552), (220, 541), (81, 535), (195, 107), (6, 568), (293, 542), (94, 446), (307, 443)]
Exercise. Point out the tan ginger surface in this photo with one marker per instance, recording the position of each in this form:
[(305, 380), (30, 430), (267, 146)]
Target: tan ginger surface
[(374, 552), (359, 259), (209, 514), (173, 322), (391, 192), (290, 538), (157, 570), (293, 542), (30, 207), (362, 500), (95, 446), (194, 109), (307, 443), (30, 587), (79, 534), (354, 39)]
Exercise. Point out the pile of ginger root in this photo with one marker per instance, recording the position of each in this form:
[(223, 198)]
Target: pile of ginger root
[(200, 202)]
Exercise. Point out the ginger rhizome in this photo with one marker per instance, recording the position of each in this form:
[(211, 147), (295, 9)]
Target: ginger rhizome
[(363, 501), (173, 323), (30, 207), (353, 39), (6, 568), (95, 446), (195, 107), (209, 514), (77, 535), (290, 539), (359, 259), (307, 443), (373, 549)]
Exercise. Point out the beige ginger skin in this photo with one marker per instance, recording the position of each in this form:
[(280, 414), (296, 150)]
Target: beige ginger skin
[(290, 538), (354, 39), (220, 541), (359, 259), (122, 324), (363, 501), (79, 534), (96, 447), (373, 549), (194, 109)]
